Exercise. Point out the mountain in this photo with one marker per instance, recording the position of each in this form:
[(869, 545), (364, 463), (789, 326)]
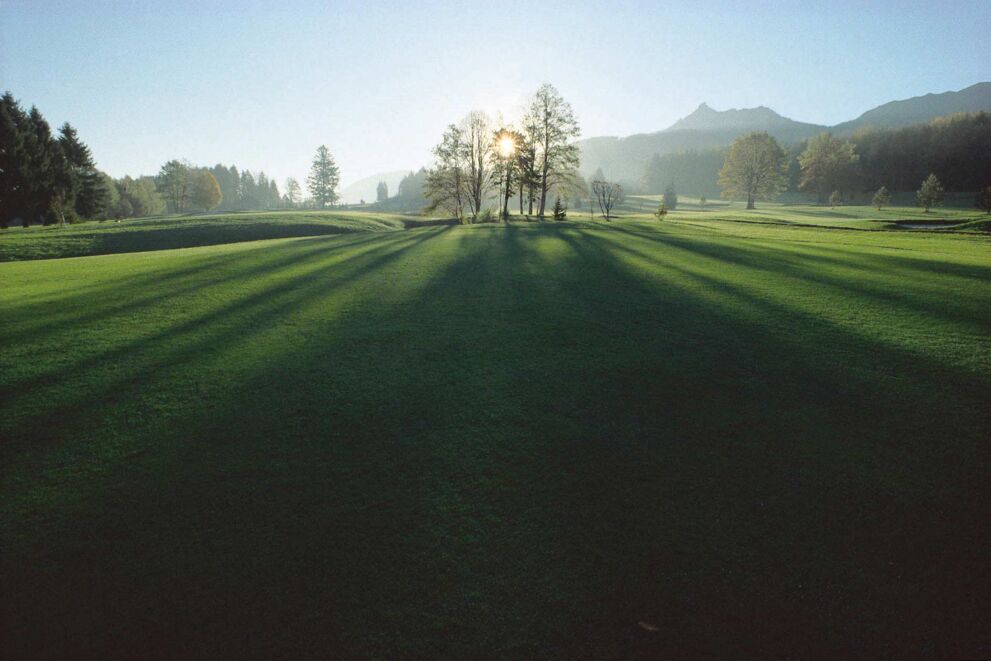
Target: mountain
[(365, 189), (623, 159), (921, 109), (748, 119)]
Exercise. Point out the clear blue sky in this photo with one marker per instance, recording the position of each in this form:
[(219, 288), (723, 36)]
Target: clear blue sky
[(262, 84)]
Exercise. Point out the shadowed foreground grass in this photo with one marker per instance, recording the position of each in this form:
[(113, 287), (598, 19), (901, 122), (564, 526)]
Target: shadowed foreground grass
[(501, 441)]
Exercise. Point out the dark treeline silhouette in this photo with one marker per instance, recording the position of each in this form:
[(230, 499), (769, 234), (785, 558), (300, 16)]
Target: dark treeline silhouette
[(44, 177), (957, 149), (50, 177)]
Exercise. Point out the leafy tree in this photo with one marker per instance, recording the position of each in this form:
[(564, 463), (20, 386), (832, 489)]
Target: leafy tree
[(382, 192), (670, 198), (174, 182), (662, 211), (560, 212), (983, 201), (293, 192), (206, 191), (445, 184), (754, 168), (607, 194), (324, 177), (836, 199), (828, 164), (881, 199), (556, 129), (930, 194)]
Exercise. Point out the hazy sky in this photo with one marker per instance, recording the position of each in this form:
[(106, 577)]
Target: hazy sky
[(262, 84)]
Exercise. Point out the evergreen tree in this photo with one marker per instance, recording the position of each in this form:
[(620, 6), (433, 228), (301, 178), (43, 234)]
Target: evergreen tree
[(881, 199), (983, 201), (930, 194), (324, 177), (382, 192), (670, 198), (560, 212)]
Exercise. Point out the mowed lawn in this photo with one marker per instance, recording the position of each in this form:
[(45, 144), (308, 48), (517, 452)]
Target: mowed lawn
[(552, 440)]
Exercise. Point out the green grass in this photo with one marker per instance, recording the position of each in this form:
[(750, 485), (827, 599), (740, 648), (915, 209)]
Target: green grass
[(524, 440), (163, 233)]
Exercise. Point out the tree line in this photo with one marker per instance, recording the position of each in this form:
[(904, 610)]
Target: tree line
[(50, 177), (956, 149)]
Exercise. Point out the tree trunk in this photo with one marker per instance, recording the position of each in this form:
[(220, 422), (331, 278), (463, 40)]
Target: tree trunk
[(750, 200)]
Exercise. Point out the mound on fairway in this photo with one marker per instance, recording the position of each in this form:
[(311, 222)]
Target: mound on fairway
[(664, 439), (171, 232)]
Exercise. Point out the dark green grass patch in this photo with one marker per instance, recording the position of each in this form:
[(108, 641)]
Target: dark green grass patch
[(501, 441), (109, 237)]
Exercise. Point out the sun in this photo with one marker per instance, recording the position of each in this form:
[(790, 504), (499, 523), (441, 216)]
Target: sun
[(506, 146)]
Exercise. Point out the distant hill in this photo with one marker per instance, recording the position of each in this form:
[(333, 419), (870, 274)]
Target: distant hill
[(623, 159), (921, 109), (365, 189)]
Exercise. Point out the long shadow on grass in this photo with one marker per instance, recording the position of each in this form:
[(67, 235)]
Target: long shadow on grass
[(510, 442), (133, 363)]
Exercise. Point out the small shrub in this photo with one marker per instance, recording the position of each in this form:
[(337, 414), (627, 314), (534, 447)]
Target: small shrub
[(836, 199), (661, 212)]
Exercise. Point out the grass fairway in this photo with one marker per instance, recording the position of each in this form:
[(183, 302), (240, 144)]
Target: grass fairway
[(162, 233), (756, 440)]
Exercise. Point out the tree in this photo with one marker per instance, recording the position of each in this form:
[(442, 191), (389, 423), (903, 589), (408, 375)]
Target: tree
[(506, 171), (206, 191), (555, 129), (293, 192), (445, 185), (983, 201), (477, 150), (560, 211), (662, 211), (324, 177), (174, 183), (881, 199), (836, 199), (754, 168), (670, 198), (382, 192), (702, 202), (607, 195), (828, 164), (931, 193)]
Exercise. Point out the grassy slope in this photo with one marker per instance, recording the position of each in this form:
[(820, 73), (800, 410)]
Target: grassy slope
[(164, 233), (760, 439)]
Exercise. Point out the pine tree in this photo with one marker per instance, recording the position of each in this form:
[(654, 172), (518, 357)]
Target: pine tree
[(560, 211), (670, 198), (324, 177), (881, 199), (931, 193), (983, 201)]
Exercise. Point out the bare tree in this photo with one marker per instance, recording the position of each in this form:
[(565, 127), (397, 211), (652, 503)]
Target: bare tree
[(555, 129), (607, 195), (477, 148)]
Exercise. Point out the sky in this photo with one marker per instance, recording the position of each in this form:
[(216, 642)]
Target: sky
[(263, 84)]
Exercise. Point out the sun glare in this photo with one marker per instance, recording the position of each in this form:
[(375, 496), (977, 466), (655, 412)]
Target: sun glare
[(506, 146)]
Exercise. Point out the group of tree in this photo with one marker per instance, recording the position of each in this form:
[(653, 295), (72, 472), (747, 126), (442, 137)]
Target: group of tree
[(480, 160), (45, 177), (957, 149)]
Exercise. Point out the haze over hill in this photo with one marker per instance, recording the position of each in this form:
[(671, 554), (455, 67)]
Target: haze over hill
[(623, 158), (365, 189)]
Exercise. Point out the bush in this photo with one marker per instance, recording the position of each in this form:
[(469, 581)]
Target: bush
[(486, 216), (661, 212)]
